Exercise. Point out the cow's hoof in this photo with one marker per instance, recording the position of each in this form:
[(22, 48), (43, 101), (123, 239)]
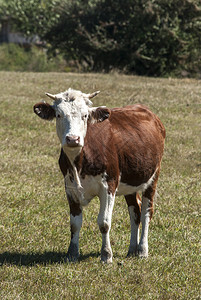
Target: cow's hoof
[(142, 252), (106, 260), (132, 252), (73, 253), (70, 258), (106, 256)]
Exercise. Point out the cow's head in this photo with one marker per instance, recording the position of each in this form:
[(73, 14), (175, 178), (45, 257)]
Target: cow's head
[(72, 110)]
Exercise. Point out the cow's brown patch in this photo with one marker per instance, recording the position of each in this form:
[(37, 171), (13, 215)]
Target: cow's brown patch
[(64, 163), (75, 208)]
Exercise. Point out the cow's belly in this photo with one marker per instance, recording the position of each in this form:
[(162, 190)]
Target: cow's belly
[(92, 186), (125, 189)]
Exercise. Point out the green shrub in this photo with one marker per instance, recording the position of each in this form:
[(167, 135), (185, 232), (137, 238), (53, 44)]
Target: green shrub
[(17, 58), (145, 37), (149, 37)]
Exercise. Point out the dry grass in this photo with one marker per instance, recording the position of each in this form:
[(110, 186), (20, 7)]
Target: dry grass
[(34, 214)]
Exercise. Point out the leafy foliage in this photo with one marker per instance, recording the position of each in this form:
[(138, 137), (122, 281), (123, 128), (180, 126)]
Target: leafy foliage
[(30, 17), (146, 37), (16, 58)]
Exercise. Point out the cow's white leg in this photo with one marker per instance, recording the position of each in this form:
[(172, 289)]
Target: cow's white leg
[(146, 215), (134, 213), (145, 219), (104, 222), (73, 250), (75, 226), (134, 239)]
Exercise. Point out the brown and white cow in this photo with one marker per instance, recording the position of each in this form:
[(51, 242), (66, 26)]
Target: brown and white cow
[(107, 152)]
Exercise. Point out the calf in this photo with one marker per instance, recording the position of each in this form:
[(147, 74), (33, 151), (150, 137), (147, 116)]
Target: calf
[(107, 152)]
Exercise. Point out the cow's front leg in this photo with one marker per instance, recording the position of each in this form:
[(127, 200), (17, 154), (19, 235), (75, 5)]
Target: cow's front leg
[(75, 226), (104, 222)]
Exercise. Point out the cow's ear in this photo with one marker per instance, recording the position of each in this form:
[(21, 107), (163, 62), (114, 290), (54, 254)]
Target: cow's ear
[(44, 111), (98, 114)]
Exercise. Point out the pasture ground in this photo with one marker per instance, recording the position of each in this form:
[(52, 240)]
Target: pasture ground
[(34, 213)]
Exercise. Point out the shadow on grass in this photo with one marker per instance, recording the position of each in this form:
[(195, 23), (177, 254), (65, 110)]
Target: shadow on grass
[(31, 259)]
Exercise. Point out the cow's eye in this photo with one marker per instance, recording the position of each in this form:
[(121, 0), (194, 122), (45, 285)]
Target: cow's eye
[(84, 117), (58, 116)]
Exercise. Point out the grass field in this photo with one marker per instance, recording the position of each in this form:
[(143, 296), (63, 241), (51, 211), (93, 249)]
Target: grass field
[(34, 213)]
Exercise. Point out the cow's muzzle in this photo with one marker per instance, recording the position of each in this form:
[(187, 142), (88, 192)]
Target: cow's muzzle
[(72, 141)]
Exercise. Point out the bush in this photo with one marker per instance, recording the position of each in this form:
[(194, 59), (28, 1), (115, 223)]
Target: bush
[(145, 37), (149, 37), (17, 58)]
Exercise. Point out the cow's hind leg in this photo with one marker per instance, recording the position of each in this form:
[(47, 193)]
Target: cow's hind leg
[(146, 215), (133, 202)]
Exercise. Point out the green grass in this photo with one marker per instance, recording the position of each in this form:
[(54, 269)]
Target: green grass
[(34, 213)]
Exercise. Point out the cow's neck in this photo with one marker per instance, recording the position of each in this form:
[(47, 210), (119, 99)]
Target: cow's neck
[(72, 152), (77, 178), (73, 156)]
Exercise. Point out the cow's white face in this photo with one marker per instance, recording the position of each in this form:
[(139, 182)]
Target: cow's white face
[(71, 122), (72, 111)]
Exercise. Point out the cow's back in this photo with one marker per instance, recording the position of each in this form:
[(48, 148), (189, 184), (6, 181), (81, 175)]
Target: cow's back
[(136, 116), (129, 143)]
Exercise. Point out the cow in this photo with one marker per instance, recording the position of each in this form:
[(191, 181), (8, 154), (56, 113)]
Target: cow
[(107, 152)]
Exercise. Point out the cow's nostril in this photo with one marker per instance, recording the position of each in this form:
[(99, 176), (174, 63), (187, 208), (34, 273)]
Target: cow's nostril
[(68, 139), (72, 140)]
